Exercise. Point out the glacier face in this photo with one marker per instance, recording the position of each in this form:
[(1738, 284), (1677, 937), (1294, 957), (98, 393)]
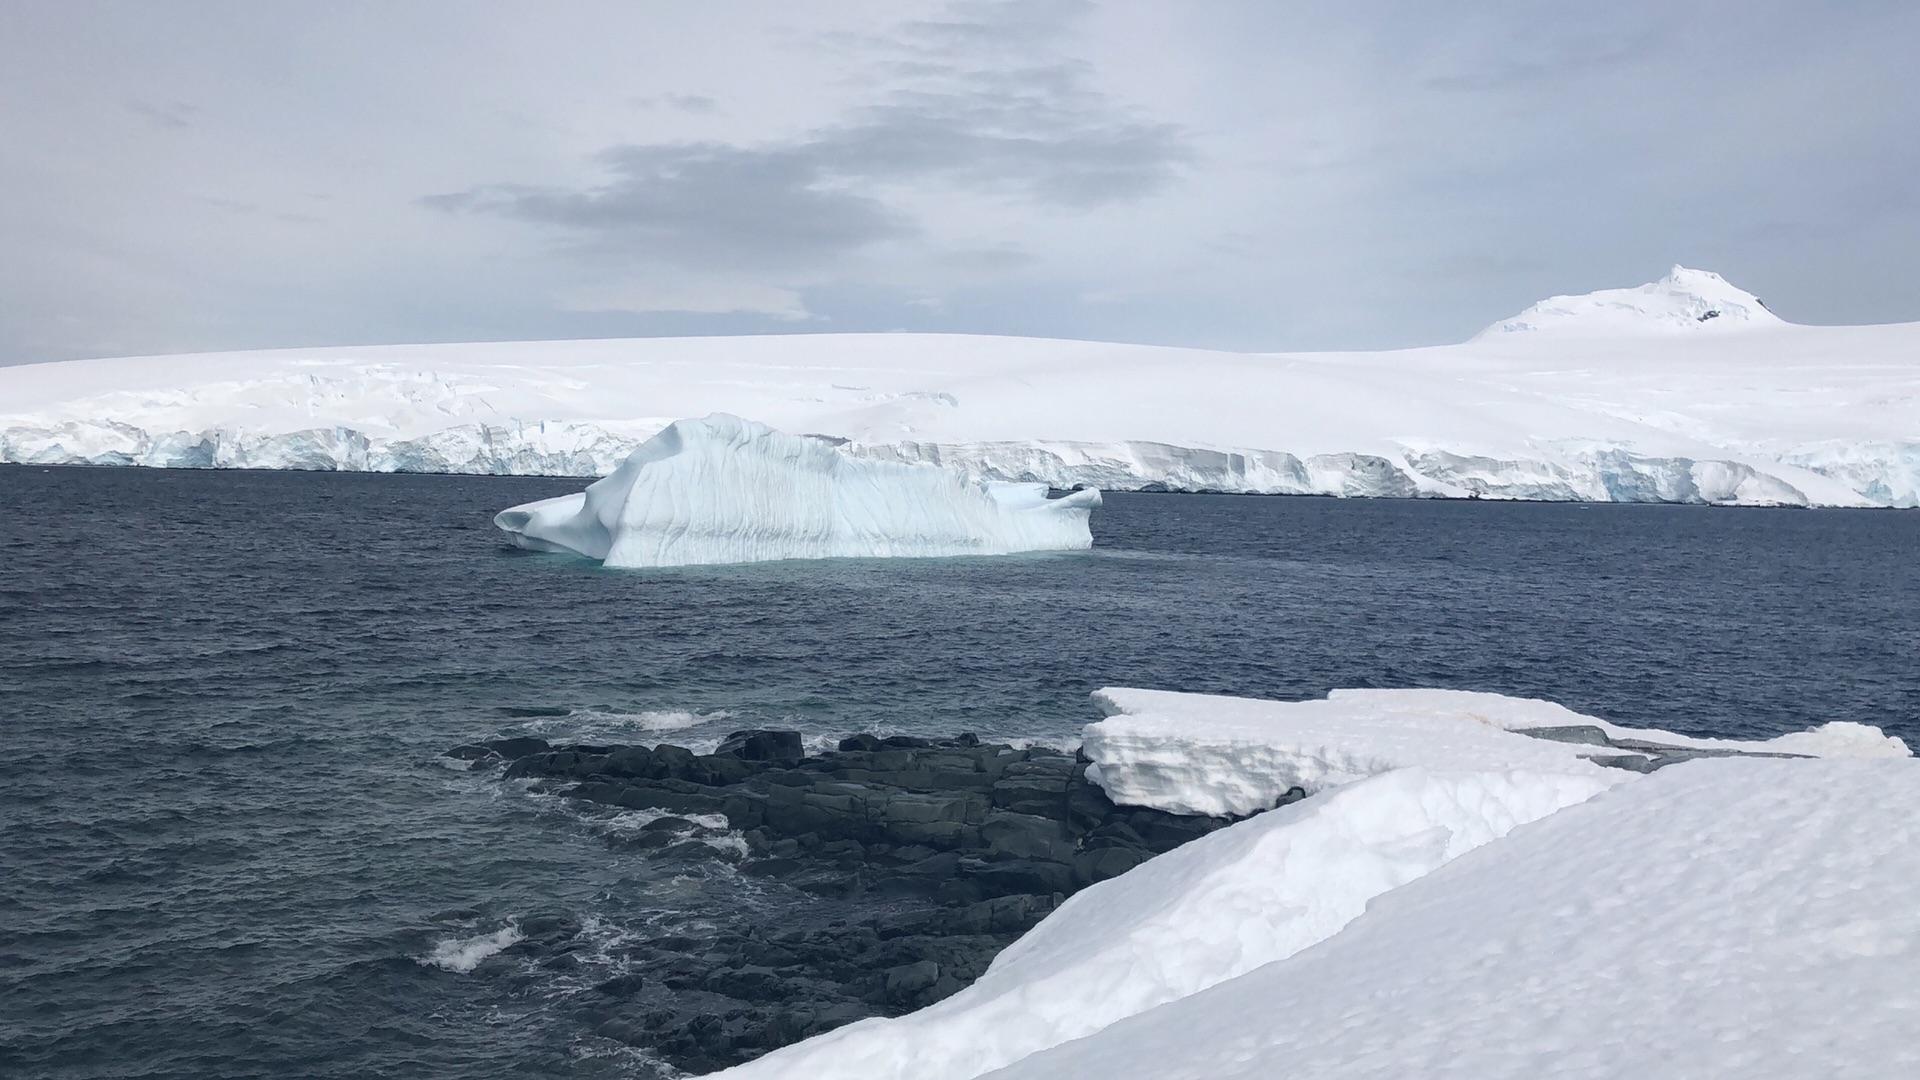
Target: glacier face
[(726, 490), (1621, 395)]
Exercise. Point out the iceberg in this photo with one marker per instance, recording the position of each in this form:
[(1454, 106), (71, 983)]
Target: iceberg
[(727, 490)]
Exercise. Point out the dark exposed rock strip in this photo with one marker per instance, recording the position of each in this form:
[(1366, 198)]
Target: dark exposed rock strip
[(1637, 755), (940, 852)]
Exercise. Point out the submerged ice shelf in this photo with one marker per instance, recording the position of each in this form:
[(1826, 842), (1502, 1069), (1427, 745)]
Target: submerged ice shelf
[(1417, 787), (1684, 390), (726, 490)]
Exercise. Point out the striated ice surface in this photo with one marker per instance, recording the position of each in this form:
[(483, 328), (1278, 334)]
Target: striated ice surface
[(726, 490), (1685, 390)]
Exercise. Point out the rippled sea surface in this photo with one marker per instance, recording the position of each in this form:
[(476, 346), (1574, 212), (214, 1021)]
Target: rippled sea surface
[(228, 847)]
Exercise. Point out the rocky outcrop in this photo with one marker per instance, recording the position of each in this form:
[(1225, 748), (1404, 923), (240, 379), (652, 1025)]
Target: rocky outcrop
[(941, 852)]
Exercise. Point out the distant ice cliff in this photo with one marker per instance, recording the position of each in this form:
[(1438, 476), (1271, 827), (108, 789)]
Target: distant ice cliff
[(1685, 390)]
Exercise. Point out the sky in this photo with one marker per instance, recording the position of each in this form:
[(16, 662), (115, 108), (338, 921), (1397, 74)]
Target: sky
[(182, 175)]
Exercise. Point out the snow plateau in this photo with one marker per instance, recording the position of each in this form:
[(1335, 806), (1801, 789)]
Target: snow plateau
[(1632, 395), (726, 490)]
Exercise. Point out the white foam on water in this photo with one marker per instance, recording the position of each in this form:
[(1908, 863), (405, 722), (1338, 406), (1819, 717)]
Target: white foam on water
[(462, 955), (664, 719), (610, 725), (628, 823)]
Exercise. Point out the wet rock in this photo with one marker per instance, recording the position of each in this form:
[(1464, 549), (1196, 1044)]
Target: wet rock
[(1099, 864), (1026, 836), (621, 985), (516, 748), (776, 746), (907, 982), (917, 861)]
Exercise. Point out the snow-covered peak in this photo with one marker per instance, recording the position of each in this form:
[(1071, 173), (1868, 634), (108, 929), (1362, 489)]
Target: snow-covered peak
[(1682, 302)]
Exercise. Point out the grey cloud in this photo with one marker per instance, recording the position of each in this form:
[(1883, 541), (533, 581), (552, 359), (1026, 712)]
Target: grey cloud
[(1034, 132), (686, 103), (1032, 129), (703, 205), (988, 261), (994, 24), (175, 115), (1542, 54)]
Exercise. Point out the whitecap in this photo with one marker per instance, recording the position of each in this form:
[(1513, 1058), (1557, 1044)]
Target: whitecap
[(462, 955), (614, 725)]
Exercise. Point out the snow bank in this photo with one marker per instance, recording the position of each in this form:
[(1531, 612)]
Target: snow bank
[(726, 490), (1623, 395), (1203, 754), (1216, 908), (1731, 917)]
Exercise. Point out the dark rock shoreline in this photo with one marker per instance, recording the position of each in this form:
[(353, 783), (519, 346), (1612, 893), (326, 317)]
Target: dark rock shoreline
[(941, 853)]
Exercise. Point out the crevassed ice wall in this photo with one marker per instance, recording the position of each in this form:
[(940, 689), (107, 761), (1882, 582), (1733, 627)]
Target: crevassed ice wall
[(1883, 473)]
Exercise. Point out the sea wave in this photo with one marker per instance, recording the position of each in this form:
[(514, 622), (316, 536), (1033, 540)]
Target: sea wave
[(462, 955)]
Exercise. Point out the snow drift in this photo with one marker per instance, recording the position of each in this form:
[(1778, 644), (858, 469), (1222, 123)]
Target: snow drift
[(1686, 390), (1734, 917), (726, 490)]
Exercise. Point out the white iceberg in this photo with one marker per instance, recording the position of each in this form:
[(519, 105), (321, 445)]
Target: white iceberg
[(1730, 917), (727, 490)]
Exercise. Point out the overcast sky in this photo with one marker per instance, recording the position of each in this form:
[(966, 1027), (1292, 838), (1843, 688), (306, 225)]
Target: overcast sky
[(183, 175)]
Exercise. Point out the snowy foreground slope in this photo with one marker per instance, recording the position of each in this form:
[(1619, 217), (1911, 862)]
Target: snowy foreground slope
[(1685, 390), (726, 490), (1740, 917), (1209, 961)]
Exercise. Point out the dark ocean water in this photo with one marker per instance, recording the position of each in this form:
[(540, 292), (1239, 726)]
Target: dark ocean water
[(227, 847)]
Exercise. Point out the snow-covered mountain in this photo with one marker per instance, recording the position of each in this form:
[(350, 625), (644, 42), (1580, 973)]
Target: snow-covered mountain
[(1620, 395), (1685, 301)]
